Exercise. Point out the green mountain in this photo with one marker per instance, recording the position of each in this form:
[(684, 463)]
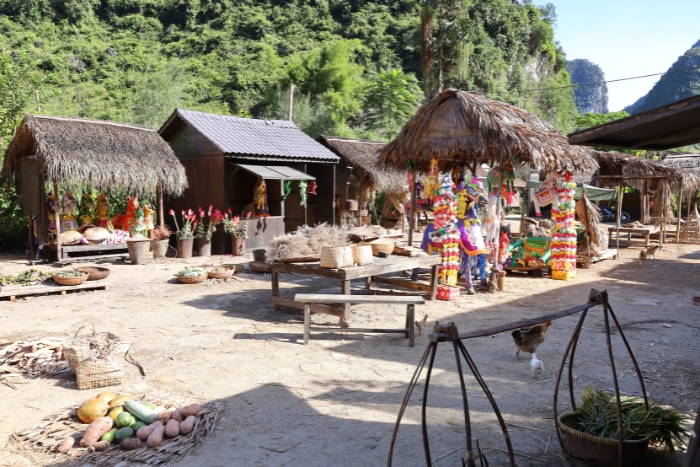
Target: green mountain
[(136, 60), (589, 98), (674, 85)]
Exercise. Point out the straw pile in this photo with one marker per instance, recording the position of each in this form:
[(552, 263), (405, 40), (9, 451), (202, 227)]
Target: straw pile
[(306, 242), (663, 205), (589, 215)]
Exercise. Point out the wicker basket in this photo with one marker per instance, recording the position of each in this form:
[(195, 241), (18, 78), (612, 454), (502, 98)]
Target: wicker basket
[(99, 371), (80, 347), (362, 254), (95, 273), (220, 275), (382, 247), (192, 280), (70, 280), (593, 450), (336, 257)]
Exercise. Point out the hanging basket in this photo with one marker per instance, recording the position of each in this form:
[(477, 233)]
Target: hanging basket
[(593, 450)]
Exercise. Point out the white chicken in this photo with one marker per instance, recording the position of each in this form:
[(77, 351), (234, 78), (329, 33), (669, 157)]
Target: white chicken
[(536, 365)]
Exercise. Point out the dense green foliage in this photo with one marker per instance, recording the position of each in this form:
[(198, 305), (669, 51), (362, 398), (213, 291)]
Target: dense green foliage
[(673, 86), (589, 98), (594, 119)]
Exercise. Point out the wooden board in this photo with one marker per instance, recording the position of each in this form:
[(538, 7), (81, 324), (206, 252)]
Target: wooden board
[(19, 291), (406, 283), (91, 258), (331, 298), (393, 263), (315, 308)]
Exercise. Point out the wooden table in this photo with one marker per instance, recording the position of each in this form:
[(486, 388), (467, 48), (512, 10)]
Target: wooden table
[(629, 231), (392, 264)]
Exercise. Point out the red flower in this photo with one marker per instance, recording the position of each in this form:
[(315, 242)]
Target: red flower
[(229, 210), (189, 211), (172, 213), (211, 207), (183, 212), (199, 208), (248, 215)]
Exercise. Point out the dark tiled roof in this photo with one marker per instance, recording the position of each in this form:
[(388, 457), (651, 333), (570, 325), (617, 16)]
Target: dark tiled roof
[(255, 139)]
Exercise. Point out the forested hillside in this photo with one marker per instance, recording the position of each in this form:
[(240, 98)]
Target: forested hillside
[(675, 85), (136, 60), (589, 98)]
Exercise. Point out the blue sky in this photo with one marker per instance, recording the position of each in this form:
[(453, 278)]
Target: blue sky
[(627, 38)]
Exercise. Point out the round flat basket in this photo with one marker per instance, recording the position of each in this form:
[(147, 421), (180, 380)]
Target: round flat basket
[(95, 273), (382, 247), (220, 275), (192, 280), (259, 267), (70, 280)]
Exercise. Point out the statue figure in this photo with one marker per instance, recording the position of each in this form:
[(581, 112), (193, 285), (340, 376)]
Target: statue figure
[(87, 209)]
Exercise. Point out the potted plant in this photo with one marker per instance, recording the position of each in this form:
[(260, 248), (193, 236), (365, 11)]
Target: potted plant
[(160, 237), (205, 229), (238, 230), (590, 434), (185, 235)]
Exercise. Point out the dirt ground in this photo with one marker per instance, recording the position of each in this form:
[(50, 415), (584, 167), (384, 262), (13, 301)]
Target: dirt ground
[(334, 402)]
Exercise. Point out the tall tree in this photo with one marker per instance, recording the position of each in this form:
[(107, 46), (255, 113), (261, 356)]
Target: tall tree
[(392, 99)]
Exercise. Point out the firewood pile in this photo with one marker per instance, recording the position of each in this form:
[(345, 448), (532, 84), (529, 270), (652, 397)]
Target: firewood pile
[(32, 358)]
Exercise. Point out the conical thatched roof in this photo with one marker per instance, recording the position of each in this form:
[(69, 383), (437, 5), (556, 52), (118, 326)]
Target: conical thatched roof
[(457, 126), (98, 154)]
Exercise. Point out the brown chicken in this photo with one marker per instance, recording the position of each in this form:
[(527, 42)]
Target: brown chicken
[(528, 339), (420, 325)]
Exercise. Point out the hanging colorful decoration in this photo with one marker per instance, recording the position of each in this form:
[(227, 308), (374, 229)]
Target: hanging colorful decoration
[(287, 189), (312, 188), (546, 193), (302, 191), (260, 207), (446, 238), (70, 208), (432, 183), (102, 213), (87, 209), (472, 245), (563, 245)]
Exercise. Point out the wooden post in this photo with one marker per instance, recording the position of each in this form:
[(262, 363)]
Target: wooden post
[(282, 200), (291, 101), (412, 216), (334, 206), (31, 238), (59, 254), (645, 202), (680, 205), (585, 213), (161, 215), (526, 206), (306, 203), (498, 217), (619, 215)]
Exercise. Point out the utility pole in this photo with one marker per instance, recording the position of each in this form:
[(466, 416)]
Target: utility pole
[(291, 101)]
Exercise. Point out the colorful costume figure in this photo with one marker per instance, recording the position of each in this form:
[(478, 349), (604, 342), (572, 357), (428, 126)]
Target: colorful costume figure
[(70, 208), (102, 213), (87, 209), (472, 243), (148, 219), (563, 245), (446, 239), (139, 223), (129, 224), (53, 209), (260, 207)]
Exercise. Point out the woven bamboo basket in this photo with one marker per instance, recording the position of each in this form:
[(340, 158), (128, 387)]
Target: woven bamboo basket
[(593, 450), (382, 247), (362, 254), (192, 280), (80, 347), (336, 257), (70, 280), (220, 275), (99, 371)]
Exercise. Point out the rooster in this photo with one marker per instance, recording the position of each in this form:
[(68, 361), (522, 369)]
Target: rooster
[(528, 339)]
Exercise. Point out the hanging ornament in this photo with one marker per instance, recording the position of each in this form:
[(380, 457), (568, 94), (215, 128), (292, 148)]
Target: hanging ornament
[(260, 207), (445, 238), (563, 245), (312, 188), (302, 191), (432, 183), (287, 189)]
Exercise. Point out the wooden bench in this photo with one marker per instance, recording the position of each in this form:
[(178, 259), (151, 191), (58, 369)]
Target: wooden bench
[(410, 302)]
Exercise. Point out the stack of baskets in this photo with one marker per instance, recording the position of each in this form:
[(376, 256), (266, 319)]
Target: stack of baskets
[(90, 357)]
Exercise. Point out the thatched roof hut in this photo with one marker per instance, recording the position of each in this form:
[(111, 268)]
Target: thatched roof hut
[(363, 157), (102, 155), (457, 126)]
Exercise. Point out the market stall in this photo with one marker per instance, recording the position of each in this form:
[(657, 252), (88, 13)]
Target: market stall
[(59, 164)]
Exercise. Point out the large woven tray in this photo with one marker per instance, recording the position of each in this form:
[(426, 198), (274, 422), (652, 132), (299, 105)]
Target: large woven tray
[(40, 441)]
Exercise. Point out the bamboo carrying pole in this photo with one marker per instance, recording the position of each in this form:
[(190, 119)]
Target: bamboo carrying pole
[(412, 215), (59, 255), (680, 205)]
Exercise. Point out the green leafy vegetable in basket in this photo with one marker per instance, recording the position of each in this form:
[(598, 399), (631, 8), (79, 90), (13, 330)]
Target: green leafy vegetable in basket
[(28, 277), (71, 273), (192, 272), (597, 416)]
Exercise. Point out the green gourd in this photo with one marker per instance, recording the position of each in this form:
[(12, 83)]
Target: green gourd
[(122, 434)]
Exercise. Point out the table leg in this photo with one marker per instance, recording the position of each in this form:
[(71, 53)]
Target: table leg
[(307, 323), (346, 291), (411, 312), (434, 281), (276, 287), (368, 282), (646, 238)]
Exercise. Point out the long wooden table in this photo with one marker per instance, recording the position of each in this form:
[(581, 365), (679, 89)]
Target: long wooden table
[(392, 264), (644, 232)]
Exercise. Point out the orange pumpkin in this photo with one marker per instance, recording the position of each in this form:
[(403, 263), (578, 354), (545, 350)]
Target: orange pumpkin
[(106, 397), (91, 410)]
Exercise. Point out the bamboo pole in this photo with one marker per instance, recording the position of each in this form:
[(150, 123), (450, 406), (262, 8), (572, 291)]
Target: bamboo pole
[(645, 202), (412, 214), (588, 226), (59, 254), (498, 218), (161, 216), (619, 215), (680, 205)]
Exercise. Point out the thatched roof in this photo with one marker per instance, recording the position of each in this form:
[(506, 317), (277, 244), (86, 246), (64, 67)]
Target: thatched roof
[(683, 161), (101, 155), (457, 126), (363, 157)]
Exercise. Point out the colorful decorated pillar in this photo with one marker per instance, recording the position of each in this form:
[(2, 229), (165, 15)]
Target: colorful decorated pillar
[(446, 239), (563, 245)]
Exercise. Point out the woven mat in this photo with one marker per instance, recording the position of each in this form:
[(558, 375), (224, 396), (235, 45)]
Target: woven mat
[(39, 442)]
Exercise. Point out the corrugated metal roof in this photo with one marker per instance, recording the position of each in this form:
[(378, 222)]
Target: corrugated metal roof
[(253, 137), (276, 172)]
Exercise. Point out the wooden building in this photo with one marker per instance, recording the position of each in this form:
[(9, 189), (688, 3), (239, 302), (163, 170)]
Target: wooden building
[(224, 156)]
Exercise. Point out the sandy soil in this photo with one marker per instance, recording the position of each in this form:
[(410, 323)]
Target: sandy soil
[(334, 402)]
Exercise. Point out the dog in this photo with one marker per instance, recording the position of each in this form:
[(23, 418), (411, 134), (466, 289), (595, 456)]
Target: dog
[(642, 257), (651, 251)]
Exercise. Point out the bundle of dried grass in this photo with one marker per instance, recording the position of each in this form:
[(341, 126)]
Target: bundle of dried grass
[(663, 205), (589, 215), (40, 441), (306, 242), (33, 358)]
